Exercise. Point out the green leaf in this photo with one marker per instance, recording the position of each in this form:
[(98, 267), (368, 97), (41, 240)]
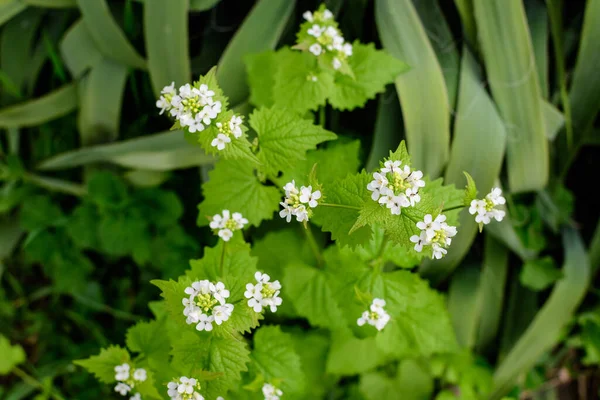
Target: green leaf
[(312, 347), (103, 365), (347, 197), (349, 355), (284, 138), (43, 109), (167, 43), (163, 208), (149, 338), (11, 355), (107, 190), (539, 274), (78, 49), (39, 212), (122, 233), (109, 37), (226, 356), (173, 292), (261, 69), (590, 337), (300, 84), (470, 190), (380, 251), (411, 382), (274, 357), (308, 289), (234, 186), (373, 69), (333, 162), (9, 9)]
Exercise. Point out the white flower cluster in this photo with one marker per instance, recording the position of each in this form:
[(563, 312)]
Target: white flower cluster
[(184, 388), (263, 293), (128, 378), (231, 128), (486, 208), (206, 304), (193, 107), (396, 187), (295, 202), (271, 392), (325, 37), (227, 223), (376, 316), (435, 233)]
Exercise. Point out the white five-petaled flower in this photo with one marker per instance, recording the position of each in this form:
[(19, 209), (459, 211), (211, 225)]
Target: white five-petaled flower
[(487, 209), (166, 95), (271, 392), (228, 223), (435, 233), (263, 293), (122, 372), (235, 125), (395, 186), (298, 203), (139, 374), (315, 31), (206, 303), (375, 316), (307, 15), (184, 388), (220, 141), (315, 49), (122, 388)]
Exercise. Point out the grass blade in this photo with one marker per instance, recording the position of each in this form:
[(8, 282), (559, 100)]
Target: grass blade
[(55, 185), (443, 43), (422, 89), (161, 151), (537, 19), (510, 63), (260, 31), (201, 5), (101, 100), (478, 151), (553, 119), (492, 286), (9, 9), (109, 37), (78, 49), (464, 298), (387, 125), (166, 36), (51, 3), (467, 17), (544, 331), (584, 95), (43, 109)]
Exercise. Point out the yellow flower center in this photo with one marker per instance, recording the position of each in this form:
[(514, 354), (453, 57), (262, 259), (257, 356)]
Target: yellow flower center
[(205, 301)]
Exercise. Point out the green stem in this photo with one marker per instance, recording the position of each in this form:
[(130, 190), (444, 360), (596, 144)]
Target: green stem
[(313, 245), (339, 206), (222, 260), (119, 314), (57, 185), (31, 381), (322, 116), (453, 208)]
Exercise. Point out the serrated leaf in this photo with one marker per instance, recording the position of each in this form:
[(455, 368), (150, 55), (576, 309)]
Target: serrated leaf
[(122, 233), (349, 355), (233, 186), (470, 190), (173, 292), (261, 69), (300, 84), (346, 197), (284, 138), (11, 356), (149, 338), (39, 212), (539, 274), (226, 356), (312, 296), (103, 365), (380, 250), (373, 69), (274, 356)]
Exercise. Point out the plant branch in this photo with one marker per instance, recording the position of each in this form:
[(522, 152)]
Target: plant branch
[(339, 206), (313, 245)]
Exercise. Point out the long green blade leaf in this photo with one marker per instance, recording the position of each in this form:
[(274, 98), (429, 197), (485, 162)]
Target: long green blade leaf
[(464, 298), (43, 109), (510, 64), (101, 102), (51, 3), (537, 19), (554, 120), (161, 151), (78, 49), (108, 36), (475, 150), (387, 125), (544, 331), (166, 36), (260, 31), (10, 8), (422, 89)]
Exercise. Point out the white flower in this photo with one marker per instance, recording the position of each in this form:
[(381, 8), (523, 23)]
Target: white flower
[(139, 374), (429, 226), (205, 323), (396, 186), (315, 31), (290, 188), (287, 211), (136, 396), (487, 209), (332, 32), (327, 14), (435, 233), (391, 166), (206, 304), (220, 292), (204, 92), (271, 392), (184, 388), (227, 224), (307, 15), (419, 241), (263, 294), (347, 49), (195, 124), (225, 234), (222, 313), (376, 316), (239, 220), (301, 213), (379, 181), (316, 49), (235, 124), (122, 388), (336, 63), (122, 372), (413, 196), (220, 141), (438, 251), (310, 197)]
